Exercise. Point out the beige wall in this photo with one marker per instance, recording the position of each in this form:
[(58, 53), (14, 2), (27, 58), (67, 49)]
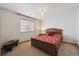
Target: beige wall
[(0, 28), (78, 26), (65, 21), (10, 27)]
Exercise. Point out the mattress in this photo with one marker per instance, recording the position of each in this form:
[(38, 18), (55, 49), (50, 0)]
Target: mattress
[(55, 39)]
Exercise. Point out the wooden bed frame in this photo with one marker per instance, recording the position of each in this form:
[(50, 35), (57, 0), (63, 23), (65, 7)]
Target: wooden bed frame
[(48, 48)]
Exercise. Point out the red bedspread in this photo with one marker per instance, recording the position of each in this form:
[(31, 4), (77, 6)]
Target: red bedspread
[(55, 39)]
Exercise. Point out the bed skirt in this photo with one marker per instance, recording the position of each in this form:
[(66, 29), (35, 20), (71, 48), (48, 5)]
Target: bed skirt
[(47, 48)]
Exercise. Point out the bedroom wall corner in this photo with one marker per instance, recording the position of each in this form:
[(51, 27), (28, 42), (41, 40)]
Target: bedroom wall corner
[(10, 27), (65, 21)]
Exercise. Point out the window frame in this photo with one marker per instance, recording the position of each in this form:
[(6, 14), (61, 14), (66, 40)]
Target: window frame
[(27, 20)]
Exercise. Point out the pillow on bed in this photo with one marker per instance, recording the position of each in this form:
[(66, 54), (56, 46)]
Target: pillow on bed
[(50, 33), (54, 31)]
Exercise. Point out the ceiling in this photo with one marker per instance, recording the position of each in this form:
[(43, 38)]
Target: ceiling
[(33, 9)]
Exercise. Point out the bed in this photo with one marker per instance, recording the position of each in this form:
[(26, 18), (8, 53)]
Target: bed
[(49, 42)]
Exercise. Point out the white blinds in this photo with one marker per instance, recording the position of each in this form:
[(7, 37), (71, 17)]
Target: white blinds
[(26, 25)]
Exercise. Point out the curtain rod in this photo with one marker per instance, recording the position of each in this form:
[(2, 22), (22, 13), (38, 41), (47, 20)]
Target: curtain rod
[(26, 16)]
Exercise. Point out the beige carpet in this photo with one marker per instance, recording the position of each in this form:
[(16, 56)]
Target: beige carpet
[(25, 49)]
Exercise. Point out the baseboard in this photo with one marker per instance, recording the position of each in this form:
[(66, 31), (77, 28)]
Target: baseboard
[(73, 44), (70, 43), (24, 41)]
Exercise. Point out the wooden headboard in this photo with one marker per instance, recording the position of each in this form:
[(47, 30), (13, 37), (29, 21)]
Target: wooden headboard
[(54, 30)]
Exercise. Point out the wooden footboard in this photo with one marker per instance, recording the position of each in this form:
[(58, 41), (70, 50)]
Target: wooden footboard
[(48, 48)]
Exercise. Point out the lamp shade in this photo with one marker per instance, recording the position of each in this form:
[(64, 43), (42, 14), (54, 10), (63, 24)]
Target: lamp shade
[(42, 31)]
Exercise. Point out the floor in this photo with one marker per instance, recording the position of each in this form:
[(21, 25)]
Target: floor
[(25, 49), (0, 53)]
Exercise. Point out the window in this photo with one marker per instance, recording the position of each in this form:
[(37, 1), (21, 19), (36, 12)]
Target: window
[(26, 25)]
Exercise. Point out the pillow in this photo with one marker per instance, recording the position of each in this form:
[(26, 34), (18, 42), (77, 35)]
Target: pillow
[(56, 32), (50, 33)]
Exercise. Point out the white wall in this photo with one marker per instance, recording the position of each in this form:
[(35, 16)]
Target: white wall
[(78, 26), (0, 5), (63, 20), (10, 27), (0, 28)]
